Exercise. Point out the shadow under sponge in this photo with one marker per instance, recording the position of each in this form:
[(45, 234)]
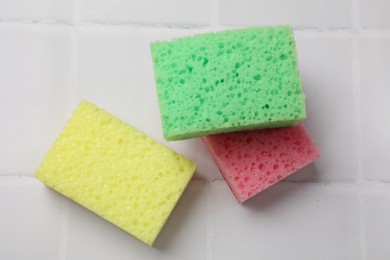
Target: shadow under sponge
[(251, 161), (116, 171), (228, 81)]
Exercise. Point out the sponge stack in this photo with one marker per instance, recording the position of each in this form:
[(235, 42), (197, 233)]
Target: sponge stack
[(228, 81), (116, 171), (220, 85)]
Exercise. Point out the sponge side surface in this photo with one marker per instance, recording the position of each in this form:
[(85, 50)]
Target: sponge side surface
[(116, 171), (252, 161), (228, 81)]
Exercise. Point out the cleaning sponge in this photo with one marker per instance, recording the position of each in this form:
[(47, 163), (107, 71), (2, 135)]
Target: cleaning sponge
[(116, 171), (228, 81), (251, 161)]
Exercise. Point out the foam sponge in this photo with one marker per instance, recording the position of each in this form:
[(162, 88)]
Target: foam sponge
[(116, 171), (252, 161), (228, 81)]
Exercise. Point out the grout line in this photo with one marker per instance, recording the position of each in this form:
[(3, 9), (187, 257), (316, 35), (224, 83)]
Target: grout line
[(358, 124), (32, 22), (337, 31), (144, 25), (63, 247), (73, 68), (214, 24), (16, 175), (147, 25), (357, 103), (362, 227), (76, 12), (366, 184), (351, 186), (209, 228), (78, 21), (74, 58), (356, 15)]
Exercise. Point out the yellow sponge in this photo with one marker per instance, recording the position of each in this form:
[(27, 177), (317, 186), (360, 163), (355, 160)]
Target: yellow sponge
[(116, 171)]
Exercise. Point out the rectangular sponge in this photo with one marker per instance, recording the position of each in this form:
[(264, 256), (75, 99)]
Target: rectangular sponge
[(116, 171), (251, 161), (228, 81)]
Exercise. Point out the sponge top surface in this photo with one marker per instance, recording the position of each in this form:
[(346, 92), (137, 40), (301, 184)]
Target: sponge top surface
[(251, 161), (116, 171), (228, 81)]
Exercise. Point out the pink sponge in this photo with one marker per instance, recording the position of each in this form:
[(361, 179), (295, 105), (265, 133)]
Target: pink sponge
[(252, 161)]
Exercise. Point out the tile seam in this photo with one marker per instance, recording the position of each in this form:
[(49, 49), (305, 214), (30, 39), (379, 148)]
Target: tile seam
[(209, 229), (214, 23), (358, 125), (74, 57), (64, 228), (362, 226), (356, 89), (73, 72), (368, 184)]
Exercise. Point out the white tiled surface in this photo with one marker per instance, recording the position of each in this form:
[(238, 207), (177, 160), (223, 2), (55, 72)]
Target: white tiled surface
[(377, 212), (39, 10), (301, 13), (328, 84), (30, 219), (34, 90), (175, 12), (375, 90), (289, 221), (375, 13), (53, 53)]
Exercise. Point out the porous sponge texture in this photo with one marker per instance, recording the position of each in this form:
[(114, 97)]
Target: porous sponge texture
[(116, 171), (252, 161), (228, 81)]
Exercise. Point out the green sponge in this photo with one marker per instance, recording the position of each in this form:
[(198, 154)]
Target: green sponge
[(228, 81)]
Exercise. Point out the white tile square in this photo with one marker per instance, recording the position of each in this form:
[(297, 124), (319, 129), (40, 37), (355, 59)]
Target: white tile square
[(377, 215), (38, 10), (375, 106), (112, 73), (325, 64), (115, 71), (375, 13), (190, 12), (29, 220), (183, 237), (287, 221), (34, 65), (298, 13)]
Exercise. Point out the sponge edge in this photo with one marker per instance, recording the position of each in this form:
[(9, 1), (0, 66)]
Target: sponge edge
[(116, 171), (229, 81)]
